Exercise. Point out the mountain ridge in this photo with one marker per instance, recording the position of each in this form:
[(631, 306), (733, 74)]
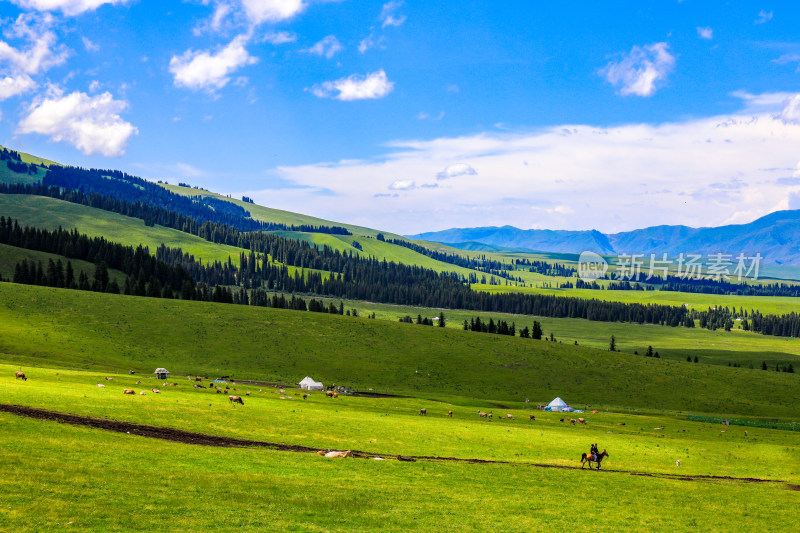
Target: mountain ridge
[(776, 236)]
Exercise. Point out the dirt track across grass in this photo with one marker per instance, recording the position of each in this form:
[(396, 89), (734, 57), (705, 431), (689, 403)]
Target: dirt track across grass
[(187, 437)]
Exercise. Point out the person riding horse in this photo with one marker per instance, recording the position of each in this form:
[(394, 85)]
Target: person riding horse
[(595, 452)]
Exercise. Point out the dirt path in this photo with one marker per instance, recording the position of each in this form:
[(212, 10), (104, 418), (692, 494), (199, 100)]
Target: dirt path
[(188, 437)]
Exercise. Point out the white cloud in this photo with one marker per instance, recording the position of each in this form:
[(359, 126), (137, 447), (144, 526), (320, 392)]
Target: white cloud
[(94, 86), (705, 33), (90, 123), (89, 45), (785, 59), (389, 15), (205, 70), (611, 179), (371, 41), (15, 85), (790, 114), (637, 72), (42, 53), (402, 185), (454, 171), (328, 47), (68, 7), (355, 87), (279, 37), (259, 11), (763, 16)]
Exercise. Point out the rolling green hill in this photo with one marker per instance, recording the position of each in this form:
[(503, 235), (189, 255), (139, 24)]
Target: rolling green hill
[(89, 330)]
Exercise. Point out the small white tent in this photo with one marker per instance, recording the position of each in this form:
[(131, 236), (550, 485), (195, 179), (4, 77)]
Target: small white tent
[(557, 405), (310, 384)]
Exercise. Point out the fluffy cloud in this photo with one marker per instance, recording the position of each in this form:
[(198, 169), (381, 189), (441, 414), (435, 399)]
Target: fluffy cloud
[(15, 85), (355, 87), (705, 33), (637, 72), (402, 185), (389, 16), (453, 171), (68, 7), (205, 70), (611, 179), (90, 123), (259, 11), (790, 113), (328, 47), (42, 52)]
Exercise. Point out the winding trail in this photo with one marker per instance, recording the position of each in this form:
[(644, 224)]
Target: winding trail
[(202, 439)]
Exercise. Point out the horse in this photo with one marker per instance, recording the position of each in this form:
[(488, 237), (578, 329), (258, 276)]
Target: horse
[(590, 458)]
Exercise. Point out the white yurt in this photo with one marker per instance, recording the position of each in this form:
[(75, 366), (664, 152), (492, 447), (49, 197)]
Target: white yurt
[(557, 405), (310, 384)]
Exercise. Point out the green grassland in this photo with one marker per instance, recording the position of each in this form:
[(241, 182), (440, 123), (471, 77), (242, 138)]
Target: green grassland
[(766, 304), (50, 213), (713, 347), (89, 479), (11, 255), (46, 327), (268, 214), (9, 176)]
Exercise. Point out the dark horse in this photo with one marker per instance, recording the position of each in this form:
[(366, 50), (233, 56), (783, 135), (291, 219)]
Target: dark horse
[(591, 458)]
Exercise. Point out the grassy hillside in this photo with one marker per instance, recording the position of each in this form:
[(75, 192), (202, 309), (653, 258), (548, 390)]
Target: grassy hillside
[(9, 176), (765, 304), (711, 347), (50, 213), (49, 326)]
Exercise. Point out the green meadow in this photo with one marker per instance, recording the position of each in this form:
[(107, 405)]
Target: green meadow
[(91, 479), (73, 329)]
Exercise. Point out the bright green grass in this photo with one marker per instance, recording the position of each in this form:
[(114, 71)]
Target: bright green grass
[(765, 304), (60, 478), (714, 347), (11, 255), (50, 213), (392, 426), (268, 214), (41, 326)]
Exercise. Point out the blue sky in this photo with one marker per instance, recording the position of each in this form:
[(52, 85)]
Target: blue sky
[(415, 116)]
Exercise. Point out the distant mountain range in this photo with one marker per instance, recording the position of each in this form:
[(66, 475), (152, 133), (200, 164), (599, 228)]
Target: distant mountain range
[(775, 236)]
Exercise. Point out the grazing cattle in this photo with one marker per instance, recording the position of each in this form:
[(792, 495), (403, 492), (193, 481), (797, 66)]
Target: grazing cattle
[(335, 394), (198, 378), (131, 372), (745, 432), (423, 411), (196, 386), (139, 382), (20, 375), (174, 384), (109, 379), (621, 423), (164, 384), (510, 417), (582, 420), (561, 420), (128, 391), (101, 385), (489, 415), (450, 414), (305, 396), (282, 391), (235, 399), (329, 394), (572, 421), (156, 391), (533, 417), (482, 414), (219, 391), (595, 412)]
